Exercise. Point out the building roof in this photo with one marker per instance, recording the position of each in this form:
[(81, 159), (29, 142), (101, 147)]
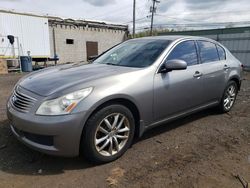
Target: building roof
[(84, 23), (72, 22)]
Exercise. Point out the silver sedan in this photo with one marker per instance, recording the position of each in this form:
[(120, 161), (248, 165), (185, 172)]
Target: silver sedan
[(98, 108)]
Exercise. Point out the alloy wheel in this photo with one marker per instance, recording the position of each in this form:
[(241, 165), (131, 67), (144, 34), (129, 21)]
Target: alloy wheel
[(112, 134), (230, 97)]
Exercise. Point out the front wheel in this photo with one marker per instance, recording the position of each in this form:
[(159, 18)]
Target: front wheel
[(108, 134), (229, 97)]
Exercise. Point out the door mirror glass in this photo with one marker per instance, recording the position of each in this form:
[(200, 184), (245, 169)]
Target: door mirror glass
[(175, 64)]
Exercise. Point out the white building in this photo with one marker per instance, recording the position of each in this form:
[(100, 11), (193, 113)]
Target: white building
[(31, 33), (46, 37), (76, 40)]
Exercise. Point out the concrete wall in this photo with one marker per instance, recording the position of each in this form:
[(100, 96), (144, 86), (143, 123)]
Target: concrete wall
[(77, 52)]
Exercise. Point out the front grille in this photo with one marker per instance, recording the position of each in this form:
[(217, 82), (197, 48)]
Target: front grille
[(22, 102)]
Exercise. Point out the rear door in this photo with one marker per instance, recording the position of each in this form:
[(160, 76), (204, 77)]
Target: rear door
[(213, 70), (178, 90)]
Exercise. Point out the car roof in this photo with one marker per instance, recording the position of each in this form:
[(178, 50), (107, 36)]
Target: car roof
[(174, 38)]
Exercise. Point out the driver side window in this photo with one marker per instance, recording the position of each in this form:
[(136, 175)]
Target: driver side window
[(185, 51)]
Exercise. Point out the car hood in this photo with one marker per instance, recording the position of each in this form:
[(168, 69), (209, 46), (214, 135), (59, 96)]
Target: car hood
[(52, 80)]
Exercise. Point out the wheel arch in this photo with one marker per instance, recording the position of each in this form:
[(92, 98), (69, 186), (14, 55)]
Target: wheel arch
[(122, 101), (237, 80)]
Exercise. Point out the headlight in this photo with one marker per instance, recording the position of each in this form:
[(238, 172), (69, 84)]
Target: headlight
[(64, 104)]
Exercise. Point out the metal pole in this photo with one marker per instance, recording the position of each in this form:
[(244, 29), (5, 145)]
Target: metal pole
[(19, 57), (54, 43), (134, 18), (152, 18)]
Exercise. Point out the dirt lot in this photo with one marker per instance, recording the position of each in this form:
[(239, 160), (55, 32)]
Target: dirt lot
[(203, 150)]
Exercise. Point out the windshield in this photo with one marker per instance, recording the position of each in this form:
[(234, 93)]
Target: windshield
[(134, 53)]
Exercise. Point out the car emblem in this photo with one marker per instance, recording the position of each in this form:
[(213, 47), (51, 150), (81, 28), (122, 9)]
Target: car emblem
[(14, 98)]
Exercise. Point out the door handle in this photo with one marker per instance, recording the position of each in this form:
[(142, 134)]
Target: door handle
[(226, 67), (197, 74)]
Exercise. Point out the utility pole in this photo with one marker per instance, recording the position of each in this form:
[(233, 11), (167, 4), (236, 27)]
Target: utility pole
[(134, 18), (153, 11)]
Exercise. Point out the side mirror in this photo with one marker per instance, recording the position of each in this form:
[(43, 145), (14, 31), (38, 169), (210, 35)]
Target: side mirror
[(175, 64)]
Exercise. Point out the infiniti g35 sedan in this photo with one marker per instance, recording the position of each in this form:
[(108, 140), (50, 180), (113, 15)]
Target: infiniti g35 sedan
[(98, 108)]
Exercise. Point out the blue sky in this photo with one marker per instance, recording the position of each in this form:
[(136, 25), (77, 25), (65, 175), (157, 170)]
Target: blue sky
[(168, 11)]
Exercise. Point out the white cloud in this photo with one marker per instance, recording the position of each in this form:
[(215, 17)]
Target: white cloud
[(99, 2), (168, 11)]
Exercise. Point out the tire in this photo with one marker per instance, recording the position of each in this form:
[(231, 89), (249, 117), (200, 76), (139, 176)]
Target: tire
[(96, 142), (223, 107)]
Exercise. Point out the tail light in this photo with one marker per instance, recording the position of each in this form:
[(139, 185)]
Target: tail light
[(242, 66)]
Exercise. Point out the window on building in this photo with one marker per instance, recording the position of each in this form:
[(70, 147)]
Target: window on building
[(208, 51), (221, 52), (185, 51), (69, 41)]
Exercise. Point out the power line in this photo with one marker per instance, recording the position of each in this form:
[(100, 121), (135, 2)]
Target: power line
[(139, 19), (210, 13), (198, 24), (192, 24), (189, 20), (142, 11), (111, 12), (117, 11), (175, 18), (205, 24), (138, 12)]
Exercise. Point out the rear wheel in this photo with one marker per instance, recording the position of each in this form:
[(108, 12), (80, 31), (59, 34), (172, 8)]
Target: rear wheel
[(108, 134), (229, 97)]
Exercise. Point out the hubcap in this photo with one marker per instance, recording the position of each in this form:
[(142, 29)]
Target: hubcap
[(112, 134), (229, 97)]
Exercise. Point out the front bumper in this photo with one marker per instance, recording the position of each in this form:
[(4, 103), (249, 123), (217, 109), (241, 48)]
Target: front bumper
[(54, 135)]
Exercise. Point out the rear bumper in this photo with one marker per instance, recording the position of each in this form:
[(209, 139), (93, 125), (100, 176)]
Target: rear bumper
[(54, 135)]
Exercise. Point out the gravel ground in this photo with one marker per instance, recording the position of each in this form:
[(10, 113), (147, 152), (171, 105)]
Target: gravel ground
[(203, 150)]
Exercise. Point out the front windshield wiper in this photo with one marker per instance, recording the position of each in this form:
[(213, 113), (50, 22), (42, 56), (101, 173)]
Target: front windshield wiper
[(120, 65), (112, 64)]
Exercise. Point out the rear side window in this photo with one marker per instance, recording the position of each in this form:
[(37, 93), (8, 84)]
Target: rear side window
[(208, 51), (185, 51), (221, 52)]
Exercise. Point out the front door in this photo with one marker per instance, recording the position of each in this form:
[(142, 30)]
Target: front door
[(178, 90), (92, 49)]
